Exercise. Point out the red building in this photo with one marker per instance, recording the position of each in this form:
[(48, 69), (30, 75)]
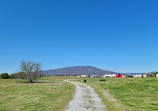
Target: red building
[(119, 75)]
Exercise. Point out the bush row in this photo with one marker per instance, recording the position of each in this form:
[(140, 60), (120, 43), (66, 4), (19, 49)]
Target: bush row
[(19, 75)]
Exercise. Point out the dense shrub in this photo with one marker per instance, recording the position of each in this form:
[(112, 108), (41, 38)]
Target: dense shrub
[(5, 76)]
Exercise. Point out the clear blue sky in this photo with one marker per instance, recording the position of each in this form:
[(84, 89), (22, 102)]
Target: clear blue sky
[(117, 35)]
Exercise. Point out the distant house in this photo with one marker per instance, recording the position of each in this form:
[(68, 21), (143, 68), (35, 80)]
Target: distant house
[(109, 75)]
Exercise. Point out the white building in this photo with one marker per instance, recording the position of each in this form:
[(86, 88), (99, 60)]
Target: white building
[(137, 75), (93, 76), (84, 75), (109, 75)]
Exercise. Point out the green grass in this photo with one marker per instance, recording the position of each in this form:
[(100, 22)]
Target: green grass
[(135, 94), (51, 94)]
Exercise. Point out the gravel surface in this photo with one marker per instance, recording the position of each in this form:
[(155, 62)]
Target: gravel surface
[(85, 99)]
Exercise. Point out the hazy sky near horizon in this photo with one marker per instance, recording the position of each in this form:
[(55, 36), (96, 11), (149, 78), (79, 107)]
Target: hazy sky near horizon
[(117, 35)]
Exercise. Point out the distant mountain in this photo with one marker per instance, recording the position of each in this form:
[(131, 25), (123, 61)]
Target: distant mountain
[(78, 70)]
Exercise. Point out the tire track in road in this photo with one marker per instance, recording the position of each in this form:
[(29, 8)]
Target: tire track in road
[(85, 99)]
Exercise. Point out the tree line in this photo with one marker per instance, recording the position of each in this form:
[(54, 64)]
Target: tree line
[(151, 74), (6, 76)]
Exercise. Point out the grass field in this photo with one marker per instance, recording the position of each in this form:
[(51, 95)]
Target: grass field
[(51, 94), (135, 94)]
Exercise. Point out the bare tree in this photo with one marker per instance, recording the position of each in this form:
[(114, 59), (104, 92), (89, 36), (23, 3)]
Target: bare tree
[(32, 70)]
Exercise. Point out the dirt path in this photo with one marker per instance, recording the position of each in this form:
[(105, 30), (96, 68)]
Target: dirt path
[(85, 99)]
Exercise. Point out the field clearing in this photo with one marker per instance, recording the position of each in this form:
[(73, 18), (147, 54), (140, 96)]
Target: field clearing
[(50, 94), (135, 94)]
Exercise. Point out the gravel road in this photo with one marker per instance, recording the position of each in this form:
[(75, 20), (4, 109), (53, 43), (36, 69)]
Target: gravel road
[(85, 99)]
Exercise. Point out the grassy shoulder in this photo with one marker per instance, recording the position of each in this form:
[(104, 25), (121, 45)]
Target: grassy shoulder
[(50, 94), (136, 94)]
